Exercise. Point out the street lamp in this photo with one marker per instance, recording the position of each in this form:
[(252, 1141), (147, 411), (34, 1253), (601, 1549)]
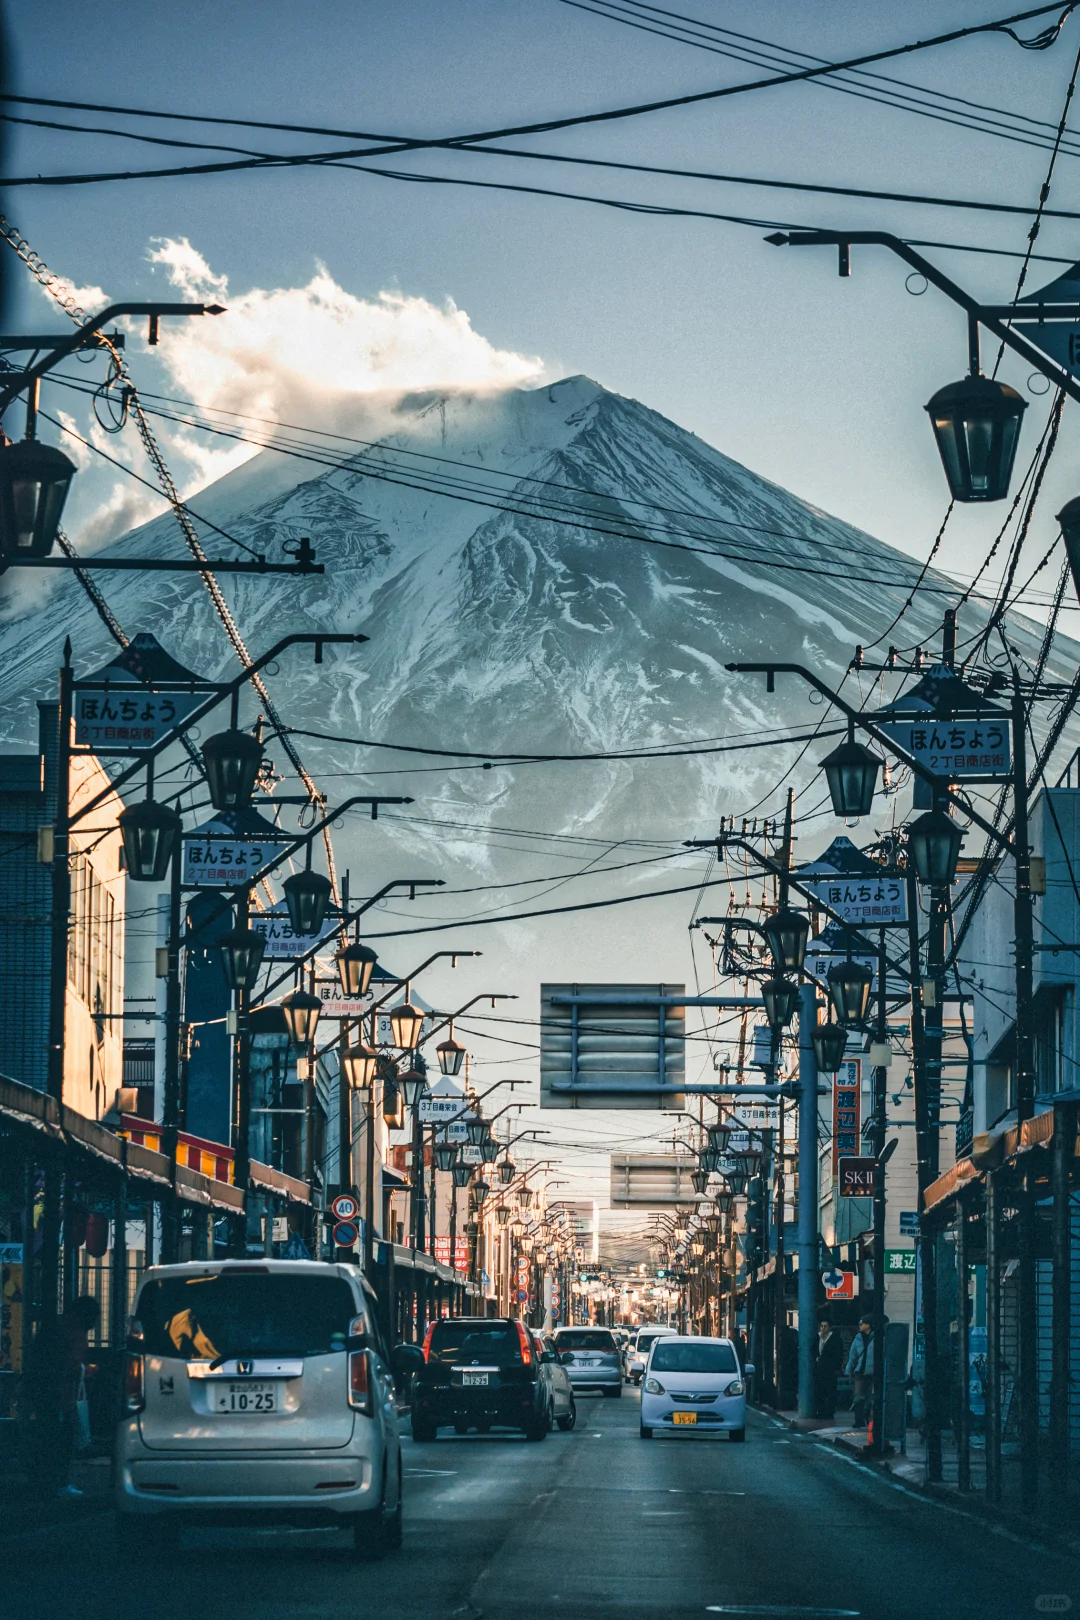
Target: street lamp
[(241, 957), (700, 1179), (710, 1159), (149, 831), (849, 988), (307, 895), (830, 1041), (476, 1130), (406, 1023), (502, 1214), (725, 1200), (301, 1010), (507, 1171), (450, 1055), (461, 1173), (749, 1160), (976, 424), (779, 996), (231, 762), (737, 1180), (413, 1084), (934, 841), (360, 1063), (718, 1136), (851, 773), (480, 1192), (445, 1155), (34, 482), (786, 933), (355, 964)]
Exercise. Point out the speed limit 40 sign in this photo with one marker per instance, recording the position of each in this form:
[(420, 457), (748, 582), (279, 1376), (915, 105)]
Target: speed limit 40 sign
[(345, 1207)]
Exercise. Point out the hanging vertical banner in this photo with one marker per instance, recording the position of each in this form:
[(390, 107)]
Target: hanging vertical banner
[(847, 1111)]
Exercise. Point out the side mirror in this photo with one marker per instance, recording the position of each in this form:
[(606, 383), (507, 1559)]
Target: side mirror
[(548, 1355), (749, 1369), (405, 1360)]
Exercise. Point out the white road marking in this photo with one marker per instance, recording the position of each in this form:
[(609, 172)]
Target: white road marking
[(430, 1473), (775, 1608)]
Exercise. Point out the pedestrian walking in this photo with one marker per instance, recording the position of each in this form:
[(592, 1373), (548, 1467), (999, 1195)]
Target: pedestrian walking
[(828, 1359), (50, 1398), (860, 1369)]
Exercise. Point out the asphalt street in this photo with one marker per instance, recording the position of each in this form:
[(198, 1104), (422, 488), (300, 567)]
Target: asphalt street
[(592, 1525)]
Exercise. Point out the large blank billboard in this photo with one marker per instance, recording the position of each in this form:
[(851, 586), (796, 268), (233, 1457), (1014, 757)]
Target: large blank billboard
[(612, 1046), (652, 1180)]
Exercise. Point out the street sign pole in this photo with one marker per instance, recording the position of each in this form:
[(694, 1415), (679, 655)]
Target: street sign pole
[(808, 1197)]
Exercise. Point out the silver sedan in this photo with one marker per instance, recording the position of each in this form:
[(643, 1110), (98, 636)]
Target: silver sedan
[(592, 1358)]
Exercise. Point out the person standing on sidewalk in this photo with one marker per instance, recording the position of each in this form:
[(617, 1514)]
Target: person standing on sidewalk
[(50, 1397), (829, 1358), (860, 1369)]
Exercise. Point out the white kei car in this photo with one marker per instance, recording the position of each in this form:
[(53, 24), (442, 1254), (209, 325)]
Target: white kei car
[(694, 1385), (256, 1392)]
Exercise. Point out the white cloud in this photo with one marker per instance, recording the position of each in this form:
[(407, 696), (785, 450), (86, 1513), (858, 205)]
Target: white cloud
[(315, 353)]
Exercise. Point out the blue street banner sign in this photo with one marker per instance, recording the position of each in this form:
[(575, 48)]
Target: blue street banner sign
[(346, 1234), (909, 1223), (135, 700), (949, 728), (282, 944), (858, 890), (230, 849)]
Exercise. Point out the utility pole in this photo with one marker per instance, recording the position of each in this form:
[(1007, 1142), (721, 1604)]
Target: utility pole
[(1027, 1382), (808, 1196), (880, 1082)]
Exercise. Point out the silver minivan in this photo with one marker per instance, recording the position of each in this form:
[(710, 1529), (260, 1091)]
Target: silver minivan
[(258, 1392)]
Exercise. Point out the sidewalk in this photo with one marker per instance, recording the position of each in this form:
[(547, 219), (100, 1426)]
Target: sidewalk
[(21, 1510), (1056, 1523)]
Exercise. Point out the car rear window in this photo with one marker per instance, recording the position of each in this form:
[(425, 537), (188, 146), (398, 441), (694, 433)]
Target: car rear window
[(586, 1339), (497, 1343), (645, 1339), (693, 1358), (244, 1314)]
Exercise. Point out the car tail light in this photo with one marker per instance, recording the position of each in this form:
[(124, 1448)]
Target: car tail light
[(134, 1383), (427, 1341), (526, 1347), (359, 1381)]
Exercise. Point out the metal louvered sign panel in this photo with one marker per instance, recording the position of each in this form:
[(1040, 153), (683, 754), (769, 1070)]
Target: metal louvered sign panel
[(612, 1046), (652, 1180)]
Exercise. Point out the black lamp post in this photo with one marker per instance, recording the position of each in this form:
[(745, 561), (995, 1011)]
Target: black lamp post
[(241, 957), (476, 1130), (525, 1197), (301, 1010), (149, 831), (231, 761), (786, 933), (360, 1063), (849, 988), (450, 1055), (710, 1160), (392, 1110), (934, 842), (779, 996), (718, 1136), (830, 1041), (480, 1191), (34, 482), (851, 773), (413, 1084), (355, 964), (725, 1200), (502, 1214), (976, 424), (406, 1023), (307, 895), (445, 1155)]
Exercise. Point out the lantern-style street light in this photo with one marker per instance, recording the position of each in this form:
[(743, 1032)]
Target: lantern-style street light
[(301, 1010), (525, 1197), (360, 1063), (725, 1200), (241, 957), (307, 895), (830, 1042), (786, 933), (700, 1180), (851, 773), (976, 425), (393, 1111), (231, 762), (850, 984), (413, 1084), (480, 1191), (502, 1214), (718, 1136), (934, 842), (451, 1055), (737, 1180), (406, 1024), (461, 1173), (34, 483), (149, 831), (507, 1170), (446, 1154), (355, 964), (476, 1130), (780, 997)]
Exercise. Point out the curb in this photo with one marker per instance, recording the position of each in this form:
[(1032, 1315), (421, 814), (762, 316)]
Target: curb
[(1032, 1532)]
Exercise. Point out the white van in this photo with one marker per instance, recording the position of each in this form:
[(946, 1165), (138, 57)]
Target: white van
[(255, 1392), (638, 1354)]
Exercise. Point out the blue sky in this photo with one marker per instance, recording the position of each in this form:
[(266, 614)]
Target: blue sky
[(815, 382)]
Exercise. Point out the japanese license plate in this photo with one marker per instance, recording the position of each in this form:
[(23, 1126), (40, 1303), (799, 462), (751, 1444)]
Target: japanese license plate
[(246, 1397), (684, 1417), (474, 1378)]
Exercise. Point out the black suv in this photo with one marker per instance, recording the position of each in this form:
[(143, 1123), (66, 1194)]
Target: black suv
[(479, 1371)]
